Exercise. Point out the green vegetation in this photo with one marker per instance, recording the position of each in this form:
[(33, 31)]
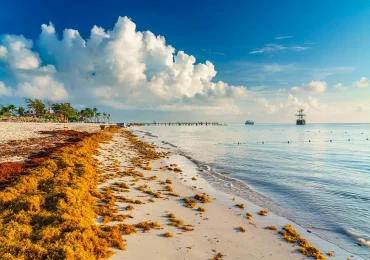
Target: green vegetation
[(53, 111)]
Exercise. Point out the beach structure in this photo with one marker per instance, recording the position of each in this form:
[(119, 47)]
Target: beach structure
[(175, 124), (300, 117)]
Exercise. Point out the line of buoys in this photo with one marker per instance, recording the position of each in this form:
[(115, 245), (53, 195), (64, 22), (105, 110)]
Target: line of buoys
[(263, 142)]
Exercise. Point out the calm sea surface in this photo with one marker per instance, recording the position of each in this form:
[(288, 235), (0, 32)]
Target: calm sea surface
[(320, 184)]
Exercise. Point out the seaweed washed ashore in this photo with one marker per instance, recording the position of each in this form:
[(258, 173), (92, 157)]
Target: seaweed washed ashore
[(109, 195)]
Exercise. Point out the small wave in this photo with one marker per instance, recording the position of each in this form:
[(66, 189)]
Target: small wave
[(168, 143), (360, 241)]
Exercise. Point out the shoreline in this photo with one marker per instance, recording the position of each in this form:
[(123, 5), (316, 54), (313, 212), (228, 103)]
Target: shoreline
[(140, 196), (197, 168), (263, 243)]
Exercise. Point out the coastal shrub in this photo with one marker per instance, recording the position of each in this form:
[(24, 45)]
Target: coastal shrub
[(240, 206), (49, 213), (249, 215), (168, 181)]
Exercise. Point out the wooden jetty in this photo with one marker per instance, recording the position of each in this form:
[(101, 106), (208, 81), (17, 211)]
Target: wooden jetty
[(176, 124)]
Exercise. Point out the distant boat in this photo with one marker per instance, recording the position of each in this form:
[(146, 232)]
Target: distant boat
[(249, 122), (300, 117)]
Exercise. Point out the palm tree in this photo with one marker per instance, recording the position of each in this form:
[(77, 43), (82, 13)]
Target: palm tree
[(21, 111), (108, 116), (97, 115), (95, 110), (104, 116), (11, 108)]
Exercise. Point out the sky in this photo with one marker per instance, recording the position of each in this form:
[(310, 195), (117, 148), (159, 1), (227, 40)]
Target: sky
[(225, 61)]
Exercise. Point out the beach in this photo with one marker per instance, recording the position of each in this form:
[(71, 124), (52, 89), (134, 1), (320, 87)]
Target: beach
[(164, 209)]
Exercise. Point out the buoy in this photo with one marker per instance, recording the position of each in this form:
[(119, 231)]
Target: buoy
[(330, 140), (309, 141), (288, 142), (367, 139), (263, 142), (349, 139)]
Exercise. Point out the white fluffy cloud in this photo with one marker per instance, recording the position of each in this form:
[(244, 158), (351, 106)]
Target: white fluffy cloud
[(292, 103), (312, 87), (340, 86), (121, 67), (362, 83), (5, 91)]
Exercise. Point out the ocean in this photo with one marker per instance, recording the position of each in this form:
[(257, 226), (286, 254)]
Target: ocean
[(317, 175)]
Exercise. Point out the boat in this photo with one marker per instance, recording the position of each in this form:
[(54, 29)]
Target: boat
[(300, 117), (249, 122)]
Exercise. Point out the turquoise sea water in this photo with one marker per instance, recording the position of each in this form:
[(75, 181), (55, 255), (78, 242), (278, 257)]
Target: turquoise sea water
[(317, 175)]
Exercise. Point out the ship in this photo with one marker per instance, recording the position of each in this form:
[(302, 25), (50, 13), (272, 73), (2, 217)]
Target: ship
[(249, 122), (300, 117)]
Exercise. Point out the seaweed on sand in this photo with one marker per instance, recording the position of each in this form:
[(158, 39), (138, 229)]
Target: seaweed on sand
[(50, 212)]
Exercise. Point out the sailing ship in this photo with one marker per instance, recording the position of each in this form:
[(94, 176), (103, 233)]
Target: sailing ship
[(249, 122), (300, 117)]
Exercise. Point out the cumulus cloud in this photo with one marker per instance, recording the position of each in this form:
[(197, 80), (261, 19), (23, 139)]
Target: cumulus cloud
[(362, 83), (312, 87), (121, 67), (5, 91), (292, 103), (340, 86), (15, 52)]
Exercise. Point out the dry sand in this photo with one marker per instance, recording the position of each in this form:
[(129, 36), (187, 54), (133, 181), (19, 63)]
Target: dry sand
[(20, 140), (22, 131), (215, 231)]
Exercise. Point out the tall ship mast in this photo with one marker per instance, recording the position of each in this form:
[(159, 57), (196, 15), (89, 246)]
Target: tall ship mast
[(300, 117)]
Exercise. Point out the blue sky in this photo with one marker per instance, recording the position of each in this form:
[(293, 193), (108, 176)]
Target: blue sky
[(272, 49)]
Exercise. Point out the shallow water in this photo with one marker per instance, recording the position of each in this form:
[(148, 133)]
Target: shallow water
[(326, 184)]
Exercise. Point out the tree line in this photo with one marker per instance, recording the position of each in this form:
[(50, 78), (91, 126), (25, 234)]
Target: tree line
[(52, 110)]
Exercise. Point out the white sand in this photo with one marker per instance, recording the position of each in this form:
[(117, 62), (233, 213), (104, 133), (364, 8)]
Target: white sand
[(22, 131), (215, 231)]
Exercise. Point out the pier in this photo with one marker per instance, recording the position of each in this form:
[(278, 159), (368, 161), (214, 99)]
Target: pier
[(177, 124)]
